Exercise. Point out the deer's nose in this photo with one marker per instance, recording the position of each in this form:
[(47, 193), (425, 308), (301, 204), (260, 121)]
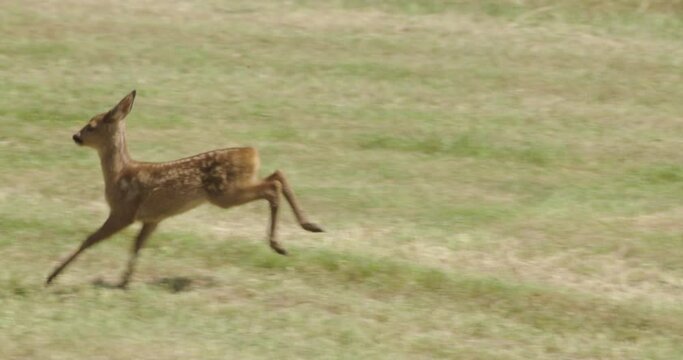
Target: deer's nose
[(77, 139)]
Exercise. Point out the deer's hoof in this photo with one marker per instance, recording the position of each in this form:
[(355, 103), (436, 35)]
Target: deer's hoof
[(278, 249), (312, 227)]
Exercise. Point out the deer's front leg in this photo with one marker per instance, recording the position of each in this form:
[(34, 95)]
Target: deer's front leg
[(113, 225), (145, 232)]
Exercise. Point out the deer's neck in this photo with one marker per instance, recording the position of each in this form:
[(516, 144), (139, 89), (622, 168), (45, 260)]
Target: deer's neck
[(114, 156)]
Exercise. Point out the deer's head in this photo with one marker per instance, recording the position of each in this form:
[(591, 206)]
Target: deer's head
[(102, 128)]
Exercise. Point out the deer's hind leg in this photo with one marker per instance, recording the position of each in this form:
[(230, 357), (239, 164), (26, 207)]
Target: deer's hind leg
[(269, 190), (301, 217)]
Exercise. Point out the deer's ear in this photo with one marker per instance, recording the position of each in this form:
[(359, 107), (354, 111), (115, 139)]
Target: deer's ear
[(120, 111)]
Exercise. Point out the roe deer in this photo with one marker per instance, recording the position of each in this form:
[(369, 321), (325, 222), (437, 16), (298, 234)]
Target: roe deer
[(150, 192)]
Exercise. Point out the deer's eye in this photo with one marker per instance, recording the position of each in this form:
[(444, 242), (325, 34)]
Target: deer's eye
[(89, 128)]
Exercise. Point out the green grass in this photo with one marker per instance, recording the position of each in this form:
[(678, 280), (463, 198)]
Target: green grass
[(499, 179)]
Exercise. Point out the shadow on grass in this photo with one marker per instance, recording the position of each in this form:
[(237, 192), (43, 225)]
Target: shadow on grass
[(99, 283), (178, 284), (174, 284)]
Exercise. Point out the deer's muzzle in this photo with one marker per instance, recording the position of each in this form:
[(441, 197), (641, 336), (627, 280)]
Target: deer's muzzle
[(77, 139)]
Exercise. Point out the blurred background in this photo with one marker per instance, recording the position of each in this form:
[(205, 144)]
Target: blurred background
[(499, 179)]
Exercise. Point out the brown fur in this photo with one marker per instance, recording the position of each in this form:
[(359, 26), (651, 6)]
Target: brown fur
[(150, 192)]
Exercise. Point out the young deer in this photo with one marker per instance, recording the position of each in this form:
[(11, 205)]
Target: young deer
[(150, 192)]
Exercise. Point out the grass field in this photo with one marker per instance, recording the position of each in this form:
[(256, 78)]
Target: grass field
[(499, 179)]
